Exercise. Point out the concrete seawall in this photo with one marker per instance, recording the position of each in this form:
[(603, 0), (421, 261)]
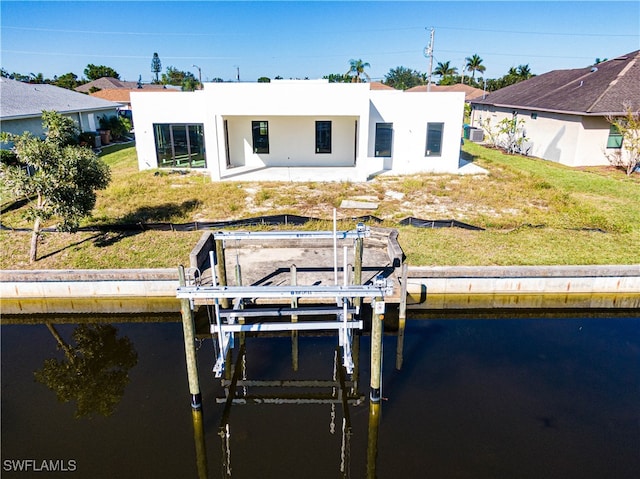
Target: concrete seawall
[(466, 287), (86, 291), (455, 287)]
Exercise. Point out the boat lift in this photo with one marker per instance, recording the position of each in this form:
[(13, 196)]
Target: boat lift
[(265, 318)]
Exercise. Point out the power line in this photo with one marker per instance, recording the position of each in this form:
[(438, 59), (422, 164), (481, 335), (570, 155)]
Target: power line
[(368, 30), (564, 34), (70, 54)]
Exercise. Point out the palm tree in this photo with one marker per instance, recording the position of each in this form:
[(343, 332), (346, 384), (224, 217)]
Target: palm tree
[(36, 78), (524, 72), (445, 69), (474, 64), (356, 68)]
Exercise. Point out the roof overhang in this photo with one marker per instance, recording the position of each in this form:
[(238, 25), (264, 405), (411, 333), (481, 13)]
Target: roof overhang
[(26, 116), (549, 110)]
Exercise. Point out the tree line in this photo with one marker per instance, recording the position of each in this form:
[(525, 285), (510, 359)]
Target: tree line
[(400, 77), (403, 78), (172, 76)]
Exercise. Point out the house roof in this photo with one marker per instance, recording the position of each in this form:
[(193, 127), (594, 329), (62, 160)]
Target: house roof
[(602, 89), (123, 95), (108, 83), (376, 85), (469, 92), (24, 100)]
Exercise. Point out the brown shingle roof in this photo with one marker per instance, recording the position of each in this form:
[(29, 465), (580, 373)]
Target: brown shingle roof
[(601, 89), (108, 83), (469, 92)]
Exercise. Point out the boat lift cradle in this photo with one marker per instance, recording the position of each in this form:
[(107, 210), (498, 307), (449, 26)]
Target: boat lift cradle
[(348, 297)]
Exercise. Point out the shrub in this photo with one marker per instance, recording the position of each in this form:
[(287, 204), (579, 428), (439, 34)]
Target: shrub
[(8, 158), (118, 125)]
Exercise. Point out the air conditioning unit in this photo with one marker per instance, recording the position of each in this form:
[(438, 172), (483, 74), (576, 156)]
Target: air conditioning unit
[(476, 135)]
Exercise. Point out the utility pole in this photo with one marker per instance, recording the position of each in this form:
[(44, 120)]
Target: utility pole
[(428, 52), (199, 76)]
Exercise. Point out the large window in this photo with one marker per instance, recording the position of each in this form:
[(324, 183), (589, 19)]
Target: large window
[(434, 139), (323, 137), (260, 131), (180, 145), (384, 136), (615, 138)]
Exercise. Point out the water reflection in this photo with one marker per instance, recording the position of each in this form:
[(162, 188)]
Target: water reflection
[(340, 393), (94, 372), (475, 399)]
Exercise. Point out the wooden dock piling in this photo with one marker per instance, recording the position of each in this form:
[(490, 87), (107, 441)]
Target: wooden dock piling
[(190, 347), (402, 316), (377, 318)]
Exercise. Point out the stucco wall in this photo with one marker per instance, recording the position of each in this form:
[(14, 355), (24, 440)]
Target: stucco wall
[(158, 107), (85, 121), (291, 141), (18, 127), (568, 139), (410, 112), (292, 108)]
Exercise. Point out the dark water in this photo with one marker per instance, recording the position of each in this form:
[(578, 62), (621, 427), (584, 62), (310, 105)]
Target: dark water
[(529, 398)]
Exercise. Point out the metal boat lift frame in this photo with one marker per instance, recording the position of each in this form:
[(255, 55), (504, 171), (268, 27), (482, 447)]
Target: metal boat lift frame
[(229, 321)]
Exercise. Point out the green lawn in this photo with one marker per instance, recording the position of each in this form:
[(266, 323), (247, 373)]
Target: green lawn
[(534, 212)]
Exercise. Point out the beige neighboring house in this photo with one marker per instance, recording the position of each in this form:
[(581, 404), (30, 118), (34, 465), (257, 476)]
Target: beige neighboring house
[(564, 111)]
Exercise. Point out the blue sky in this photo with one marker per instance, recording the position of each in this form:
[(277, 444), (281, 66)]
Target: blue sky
[(310, 39)]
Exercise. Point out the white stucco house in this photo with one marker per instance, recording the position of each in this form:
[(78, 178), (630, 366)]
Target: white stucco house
[(301, 130), (565, 111)]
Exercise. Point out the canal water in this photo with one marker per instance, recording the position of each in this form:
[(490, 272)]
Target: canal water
[(491, 398)]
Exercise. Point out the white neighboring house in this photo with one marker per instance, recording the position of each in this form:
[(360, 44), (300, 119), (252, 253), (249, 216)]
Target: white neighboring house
[(564, 111), (21, 106), (302, 130)]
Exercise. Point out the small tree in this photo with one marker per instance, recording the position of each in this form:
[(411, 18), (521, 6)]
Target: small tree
[(93, 72), (513, 136), (67, 80), (507, 134), (402, 78), (60, 176), (490, 131), (337, 78), (627, 157), (176, 77), (156, 66)]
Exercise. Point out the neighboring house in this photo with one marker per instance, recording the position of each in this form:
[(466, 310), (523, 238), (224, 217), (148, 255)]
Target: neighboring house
[(21, 106), (109, 83), (470, 93), (564, 111), (119, 91), (306, 128), (122, 96)]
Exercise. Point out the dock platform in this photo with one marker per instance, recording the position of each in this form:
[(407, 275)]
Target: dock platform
[(292, 281)]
